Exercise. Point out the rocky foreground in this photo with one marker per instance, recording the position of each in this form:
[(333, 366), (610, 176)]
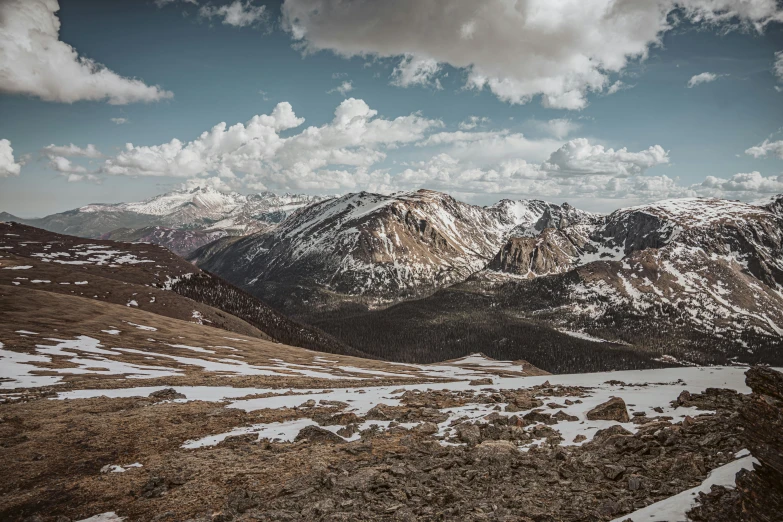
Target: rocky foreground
[(499, 449)]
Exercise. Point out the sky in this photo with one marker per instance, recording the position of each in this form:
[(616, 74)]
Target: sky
[(600, 103)]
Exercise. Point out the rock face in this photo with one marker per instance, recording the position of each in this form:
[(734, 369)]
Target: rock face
[(758, 496), (614, 410), (377, 246), (698, 272), (319, 435)]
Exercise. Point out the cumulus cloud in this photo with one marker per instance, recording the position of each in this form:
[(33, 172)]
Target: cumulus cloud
[(748, 185), (8, 165), (238, 13), (698, 79), (35, 62), (415, 70), (578, 158), (575, 169), (773, 148), (332, 156), (344, 88), (276, 151), (71, 150), (560, 51), (778, 68)]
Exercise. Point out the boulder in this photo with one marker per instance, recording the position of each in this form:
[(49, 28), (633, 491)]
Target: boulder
[(469, 433), (496, 450), (614, 410), (166, 394), (318, 435)]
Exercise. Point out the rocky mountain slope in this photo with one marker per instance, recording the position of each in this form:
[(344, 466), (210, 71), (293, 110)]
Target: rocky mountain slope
[(689, 280), (143, 277), (373, 246), (203, 209), (179, 241), (710, 265)]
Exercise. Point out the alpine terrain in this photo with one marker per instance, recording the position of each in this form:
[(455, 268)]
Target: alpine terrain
[(421, 276), (181, 220)]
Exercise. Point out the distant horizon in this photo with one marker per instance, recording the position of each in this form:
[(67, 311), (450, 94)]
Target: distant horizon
[(758, 202)]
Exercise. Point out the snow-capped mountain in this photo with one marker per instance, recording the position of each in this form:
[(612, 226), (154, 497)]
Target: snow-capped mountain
[(199, 209), (381, 246), (711, 267), (209, 209)]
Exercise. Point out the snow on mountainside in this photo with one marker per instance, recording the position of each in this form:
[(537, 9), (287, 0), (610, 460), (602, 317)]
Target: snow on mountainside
[(199, 209), (209, 209), (709, 265), (378, 245)]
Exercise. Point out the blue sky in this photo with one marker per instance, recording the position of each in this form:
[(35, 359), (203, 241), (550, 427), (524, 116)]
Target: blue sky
[(650, 137)]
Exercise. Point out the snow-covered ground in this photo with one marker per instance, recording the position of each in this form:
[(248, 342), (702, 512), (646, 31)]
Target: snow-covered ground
[(645, 390)]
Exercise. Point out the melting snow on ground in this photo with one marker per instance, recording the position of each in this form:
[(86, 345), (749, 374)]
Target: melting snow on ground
[(673, 509)]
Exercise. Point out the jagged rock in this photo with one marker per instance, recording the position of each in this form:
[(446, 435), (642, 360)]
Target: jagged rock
[(167, 394), (613, 471), (339, 419), (469, 433), (539, 416), (496, 450), (563, 416), (428, 428), (614, 409), (318, 435), (486, 381), (759, 492), (379, 412), (684, 397)]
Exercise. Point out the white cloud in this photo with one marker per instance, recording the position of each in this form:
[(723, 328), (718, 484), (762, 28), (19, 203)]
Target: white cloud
[(618, 86), (8, 165), (472, 122), (698, 79), (778, 68), (561, 51), (773, 148), (578, 158), (748, 185), (238, 13), (415, 70), (90, 151), (306, 160), (559, 128), (119, 121), (35, 62), (344, 88), (64, 165)]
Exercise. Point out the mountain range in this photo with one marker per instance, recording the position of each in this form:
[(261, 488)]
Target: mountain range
[(421, 277), (181, 220), (687, 280)]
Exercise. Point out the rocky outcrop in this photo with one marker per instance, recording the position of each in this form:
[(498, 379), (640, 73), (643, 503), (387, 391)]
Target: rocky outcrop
[(552, 251), (758, 496), (614, 410)]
